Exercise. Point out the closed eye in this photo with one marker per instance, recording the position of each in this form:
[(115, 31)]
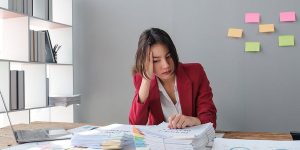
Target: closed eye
[(168, 55)]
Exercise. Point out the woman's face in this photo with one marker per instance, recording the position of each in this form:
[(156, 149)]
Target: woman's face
[(163, 65)]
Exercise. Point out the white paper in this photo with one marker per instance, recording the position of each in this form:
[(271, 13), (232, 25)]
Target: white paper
[(239, 144), (57, 145)]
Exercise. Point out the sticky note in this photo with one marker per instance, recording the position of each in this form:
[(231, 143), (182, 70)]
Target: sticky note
[(266, 28), (252, 18), (252, 46), (235, 32), (287, 16), (286, 40)]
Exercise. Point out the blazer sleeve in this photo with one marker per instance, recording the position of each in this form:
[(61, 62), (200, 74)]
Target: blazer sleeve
[(206, 110), (139, 112)]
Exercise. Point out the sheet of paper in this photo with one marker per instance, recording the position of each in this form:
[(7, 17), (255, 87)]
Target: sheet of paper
[(49, 145), (252, 46), (239, 144), (286, 40), (234, 32), (287, 16), (266, 28), (165, 132), (252, 18), (82, 128)]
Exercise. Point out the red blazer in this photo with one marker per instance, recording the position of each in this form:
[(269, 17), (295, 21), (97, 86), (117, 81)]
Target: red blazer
[(194, 93)]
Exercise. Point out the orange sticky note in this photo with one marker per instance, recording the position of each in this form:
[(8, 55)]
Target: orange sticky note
[(234, 32), (266, 28)]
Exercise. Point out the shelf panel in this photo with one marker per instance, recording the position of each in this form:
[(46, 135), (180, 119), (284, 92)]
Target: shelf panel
[(61, 114), (14, 39), (60, 80), (40, 24), (62, 11), (4, 84), (63, 37), (5, 14), (33, 62), (20, 117), (35, 83)]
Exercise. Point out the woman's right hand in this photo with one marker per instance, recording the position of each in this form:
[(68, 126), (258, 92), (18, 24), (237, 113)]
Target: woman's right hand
[(149, 64), (145, 85)]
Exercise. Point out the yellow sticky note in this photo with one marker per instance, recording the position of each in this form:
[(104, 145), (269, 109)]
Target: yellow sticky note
[(252, 46), (266, 28), (234, 32), (286, 40)]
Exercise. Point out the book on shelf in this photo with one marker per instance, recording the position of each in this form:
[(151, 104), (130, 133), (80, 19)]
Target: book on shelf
[(47, 91), (35, 47), (50, 13), (17, 90), (21, 90), (40, 9), (48, 48), (20, 6), (31, 45), (13, 90), (40, 47)]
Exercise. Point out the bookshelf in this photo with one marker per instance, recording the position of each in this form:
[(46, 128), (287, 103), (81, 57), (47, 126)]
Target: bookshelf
[(41, 79)]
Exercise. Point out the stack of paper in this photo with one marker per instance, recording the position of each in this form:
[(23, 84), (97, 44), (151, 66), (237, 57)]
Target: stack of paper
[(103, 139), (139, 139), (240, 144), (161, 137), (64, 100)]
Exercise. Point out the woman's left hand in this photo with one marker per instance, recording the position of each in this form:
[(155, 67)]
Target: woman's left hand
[(180, 121)]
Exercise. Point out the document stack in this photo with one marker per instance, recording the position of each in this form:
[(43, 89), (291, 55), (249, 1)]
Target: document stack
[(102, 139), (139, 139), (191, 138), (64, 100)]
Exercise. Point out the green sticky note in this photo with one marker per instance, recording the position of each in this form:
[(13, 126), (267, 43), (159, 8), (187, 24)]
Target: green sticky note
[(252, 46), (286, 40)]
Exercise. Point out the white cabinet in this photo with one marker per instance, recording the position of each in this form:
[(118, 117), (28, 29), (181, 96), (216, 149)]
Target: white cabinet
[(15, 54)]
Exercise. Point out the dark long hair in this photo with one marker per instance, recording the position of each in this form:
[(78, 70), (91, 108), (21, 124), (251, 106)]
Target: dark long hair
[(148, 38)]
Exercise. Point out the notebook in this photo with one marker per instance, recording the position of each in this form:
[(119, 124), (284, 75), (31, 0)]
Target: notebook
[(37, 135)]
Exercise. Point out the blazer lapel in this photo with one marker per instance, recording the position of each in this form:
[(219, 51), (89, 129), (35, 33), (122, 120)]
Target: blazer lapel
[(157, 110), (184, 87)]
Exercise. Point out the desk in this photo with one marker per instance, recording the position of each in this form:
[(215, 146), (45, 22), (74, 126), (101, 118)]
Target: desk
[(6, 137)]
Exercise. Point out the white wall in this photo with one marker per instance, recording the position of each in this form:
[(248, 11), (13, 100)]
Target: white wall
[(252, 92)]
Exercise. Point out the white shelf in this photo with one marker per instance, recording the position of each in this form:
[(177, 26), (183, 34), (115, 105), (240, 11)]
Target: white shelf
[(52, 114), (19, 117), (40, 24), (35, 83), (62, 11), (4, 86), (15, 55), (63, 37), (14, 39), (60, 80), (6, 14)]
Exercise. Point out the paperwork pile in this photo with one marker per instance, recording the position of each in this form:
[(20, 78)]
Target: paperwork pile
[(103, 139), (191, 138), (235, 144), (141, 137), (64, 100)]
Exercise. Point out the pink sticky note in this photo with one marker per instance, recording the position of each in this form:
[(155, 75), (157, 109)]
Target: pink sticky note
[(252, 18), (287, 16)]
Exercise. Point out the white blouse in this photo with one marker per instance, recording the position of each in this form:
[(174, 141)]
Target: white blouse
[(167, 105)]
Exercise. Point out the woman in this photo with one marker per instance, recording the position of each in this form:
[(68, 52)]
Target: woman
[(167, 90)]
